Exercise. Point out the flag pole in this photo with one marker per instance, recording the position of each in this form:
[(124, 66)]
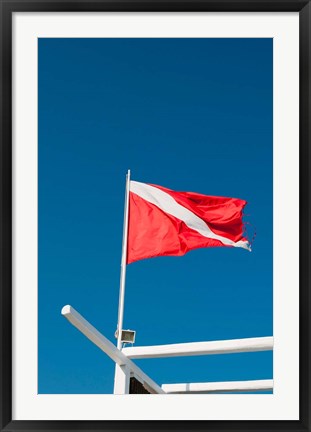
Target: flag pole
[(123, 260)]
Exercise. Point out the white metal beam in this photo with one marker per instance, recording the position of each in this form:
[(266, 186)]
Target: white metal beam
[(201, 348), (121, 380), (106, 346), (230, 386)]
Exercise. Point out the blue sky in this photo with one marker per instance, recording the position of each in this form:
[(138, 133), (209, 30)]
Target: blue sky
[(187, 114)]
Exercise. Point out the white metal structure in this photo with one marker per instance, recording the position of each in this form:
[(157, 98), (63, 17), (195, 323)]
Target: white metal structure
[(200, 348), (125, 367), (216, 387)]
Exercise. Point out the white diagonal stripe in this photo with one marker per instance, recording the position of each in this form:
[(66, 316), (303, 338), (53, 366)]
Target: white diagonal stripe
[(167, 203)]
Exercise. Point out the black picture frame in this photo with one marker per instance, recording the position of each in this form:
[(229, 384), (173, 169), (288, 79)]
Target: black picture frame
[(7, 8)]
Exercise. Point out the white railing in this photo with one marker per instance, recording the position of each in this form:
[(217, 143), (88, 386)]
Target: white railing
[(200, 348), (217, 387), (125, 367)]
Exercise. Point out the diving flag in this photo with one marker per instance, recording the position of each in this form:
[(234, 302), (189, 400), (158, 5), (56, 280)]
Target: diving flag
[(165, 222)]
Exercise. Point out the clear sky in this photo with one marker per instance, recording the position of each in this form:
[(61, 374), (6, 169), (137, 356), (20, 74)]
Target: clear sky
[(187, 114)]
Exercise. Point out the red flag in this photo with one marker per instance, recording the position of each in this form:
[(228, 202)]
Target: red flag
[(165, 222)]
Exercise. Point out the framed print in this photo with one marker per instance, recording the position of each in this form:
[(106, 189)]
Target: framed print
[(173, 138)]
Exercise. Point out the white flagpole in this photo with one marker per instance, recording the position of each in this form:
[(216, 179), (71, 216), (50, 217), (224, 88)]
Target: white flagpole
[(123, 260)]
